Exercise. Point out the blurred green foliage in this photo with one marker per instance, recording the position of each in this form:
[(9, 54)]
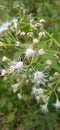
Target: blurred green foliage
[(50, 11)]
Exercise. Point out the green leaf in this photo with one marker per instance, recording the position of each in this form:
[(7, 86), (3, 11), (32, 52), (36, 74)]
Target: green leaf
[(43, 126), (10, 106), (11, 117), (49, 125), (32, 125), (3, 102)]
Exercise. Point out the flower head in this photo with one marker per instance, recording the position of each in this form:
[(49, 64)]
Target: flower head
[(42, 34), (56, 74), (37, 98), (15, 66), (29, 53), (38, 77), (17, 44), (22, 34), (57, 104), (37, 25), (19, 96), (37, 91), (30, 34), (41, 52), (42, 21), (48, 62), (3, 72), (14, 87), (11, 69), (44, 108), (19, 65), (4, 58), (35, 41)]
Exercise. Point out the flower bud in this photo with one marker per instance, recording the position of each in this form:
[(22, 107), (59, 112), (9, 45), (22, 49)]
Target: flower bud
[(35, 41), (42, 34), (17, 44), (37, 25), (56, 74), (22, 34), (4, 58), (48, 62), (41, 52), (42, 21), (30, 34)]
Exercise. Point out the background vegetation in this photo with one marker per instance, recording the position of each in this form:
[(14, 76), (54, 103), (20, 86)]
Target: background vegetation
[(16, 114)]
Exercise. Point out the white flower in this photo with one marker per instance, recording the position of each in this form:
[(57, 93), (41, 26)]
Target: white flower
[(22, 34), (42, 21), (4, 58), (15, 87), (37, 98), (42, 34), (48, 62), (51, 78), (19, 65), (30, 34), (44, 108), (19, 96), (3, 72), (37, 91), (56, 74), (14, 66), (17, 44), (57, 104), (56, 56), (38, 77), (11, 69), (58, 89), (35, 41), (41, 52), (34, 89), (30, 70), (29, 53), (37, 25)]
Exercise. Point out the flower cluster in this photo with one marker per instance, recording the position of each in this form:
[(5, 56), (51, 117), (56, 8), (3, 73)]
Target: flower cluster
[(15, 66), (33, 71)]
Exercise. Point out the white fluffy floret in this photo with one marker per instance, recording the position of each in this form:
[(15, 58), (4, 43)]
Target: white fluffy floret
[(44, 108), (14, 87), (19, 65), (37, 91), (4, 58), (57, 104), (41, 52), (15, 66), (3, 72), (42, 34), (29, 53), (42, 20), (11, 69), (38, 77), (19, 96)]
